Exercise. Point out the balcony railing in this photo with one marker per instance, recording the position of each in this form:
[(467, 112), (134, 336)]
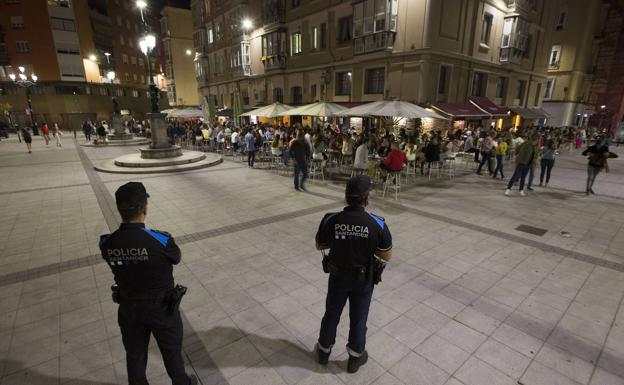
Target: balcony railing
[(376, 42), (553, 65), (274, 62)]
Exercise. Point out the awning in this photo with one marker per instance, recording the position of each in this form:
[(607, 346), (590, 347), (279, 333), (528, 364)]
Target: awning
[(460, 110), (489, 106), (530, 113)]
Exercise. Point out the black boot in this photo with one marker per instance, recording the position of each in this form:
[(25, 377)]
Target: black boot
[(355, 362), (322, 357)]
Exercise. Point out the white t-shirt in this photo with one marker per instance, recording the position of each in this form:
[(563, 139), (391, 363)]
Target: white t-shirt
[(234, 137)]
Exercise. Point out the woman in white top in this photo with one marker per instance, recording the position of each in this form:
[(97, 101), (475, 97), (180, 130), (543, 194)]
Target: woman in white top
[(277, 146), (361, 156), (56, 131)]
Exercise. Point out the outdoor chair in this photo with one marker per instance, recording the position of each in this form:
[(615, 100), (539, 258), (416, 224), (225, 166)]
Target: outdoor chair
[(316, 170), (393, 182)]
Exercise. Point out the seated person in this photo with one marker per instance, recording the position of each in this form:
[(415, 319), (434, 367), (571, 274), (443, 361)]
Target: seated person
[(395, 160), (361, 156)]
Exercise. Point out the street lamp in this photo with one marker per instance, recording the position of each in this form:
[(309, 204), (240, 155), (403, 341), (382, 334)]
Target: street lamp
[(24, 82), (142, 5), (92, 57), (247, 24), (111, 78), (107, 54), (147, 44)]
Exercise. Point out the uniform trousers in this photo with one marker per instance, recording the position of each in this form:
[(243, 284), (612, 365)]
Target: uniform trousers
[(359, 293), (137, 321)]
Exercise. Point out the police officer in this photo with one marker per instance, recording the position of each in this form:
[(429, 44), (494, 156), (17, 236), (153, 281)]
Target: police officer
[(142, 262), (354, 237)]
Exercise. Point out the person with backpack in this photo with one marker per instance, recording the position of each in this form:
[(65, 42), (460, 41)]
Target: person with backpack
[(598, 155)]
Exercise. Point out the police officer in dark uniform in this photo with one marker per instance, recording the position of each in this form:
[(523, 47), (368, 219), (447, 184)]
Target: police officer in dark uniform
[(359, 243), (142, 261)]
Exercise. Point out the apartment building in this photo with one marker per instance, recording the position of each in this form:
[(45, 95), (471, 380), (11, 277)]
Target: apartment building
[(423, 51), (179, 54), (65, 42)]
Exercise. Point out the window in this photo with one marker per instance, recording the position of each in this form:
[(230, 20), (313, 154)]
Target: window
[(121, 40), (375, 81), (313, 92), (127, 76), (315, 36), (323, 36), (520, 89), (561, 18), (297, 95), (278, 95), (124, 58), (133, 60), (501, 87), (555, 57), (128, 24), (295, 3), (295, 43), (119, 21), (130, 44), (143, 79), (59, 3), (141, 63), (345, 29), (135, 77), (210, 36), (486, 28), (343, 83), (62, 24), (548, 91), (479, 84), (136, 94), (22, 46), (444, 79), (17, 22), (538, 94)]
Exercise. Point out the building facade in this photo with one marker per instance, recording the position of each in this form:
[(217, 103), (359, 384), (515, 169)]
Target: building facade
[(585, 65), (422, 51), (65, 43), (176, 29)]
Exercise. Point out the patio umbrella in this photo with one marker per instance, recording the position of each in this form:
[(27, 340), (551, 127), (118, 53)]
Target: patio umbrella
[(326, 109), (270, 111), (391, 108)]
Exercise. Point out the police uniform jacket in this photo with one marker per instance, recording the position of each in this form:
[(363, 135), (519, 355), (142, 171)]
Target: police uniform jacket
[(353, 236), (141, 259)]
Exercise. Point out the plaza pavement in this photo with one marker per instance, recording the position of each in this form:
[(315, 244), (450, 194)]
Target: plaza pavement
[(467, 299)]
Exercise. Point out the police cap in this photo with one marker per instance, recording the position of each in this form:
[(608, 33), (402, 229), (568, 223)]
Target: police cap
[(359, 185), (131, 195)]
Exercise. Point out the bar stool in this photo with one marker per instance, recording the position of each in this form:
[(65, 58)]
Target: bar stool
[(316, 171), (393, 182)]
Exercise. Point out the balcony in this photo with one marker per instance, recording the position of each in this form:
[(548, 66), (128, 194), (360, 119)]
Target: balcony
[(554, 65), (274, 62), (376, 42)]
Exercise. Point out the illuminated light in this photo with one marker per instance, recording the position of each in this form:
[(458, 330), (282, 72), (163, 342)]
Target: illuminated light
[(92, 57), (34, 77), (189, 52), (141, 4), (12, 76), (110, 75), (21, 69), (23, 77), (603, 107), (349, 74), (247, 24)]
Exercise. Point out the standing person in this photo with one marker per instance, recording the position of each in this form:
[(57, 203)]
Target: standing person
[(524, 158), (142, 263), (598, 155), (537, 150), (87, 130), (548, 161), (487, 148), (27, 135), (250, 147), (300, 153), (354, 237), (234, 139), (56, 132), (45, 131), (501, 152), (101, 133)]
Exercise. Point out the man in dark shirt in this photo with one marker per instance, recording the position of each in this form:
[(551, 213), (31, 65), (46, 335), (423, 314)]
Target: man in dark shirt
[(142, 262), (300, 153), (597, 161), (354, 238)]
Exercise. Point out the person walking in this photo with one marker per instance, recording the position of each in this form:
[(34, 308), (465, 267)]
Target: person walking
[(300, 153), (87, 130), (537, 150), (45, 132), (597, 161), (501, 152), (487, 148), (524, 158), (27, 135), (142, 262), (56, 132), (548, 161), (250, 147), (354, 238)]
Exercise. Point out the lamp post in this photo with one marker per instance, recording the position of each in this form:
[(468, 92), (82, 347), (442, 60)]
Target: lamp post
[(111, 78), (22, 80), (147, 44)]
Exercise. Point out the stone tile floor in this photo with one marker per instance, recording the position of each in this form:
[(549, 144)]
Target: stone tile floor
[(467, 300)]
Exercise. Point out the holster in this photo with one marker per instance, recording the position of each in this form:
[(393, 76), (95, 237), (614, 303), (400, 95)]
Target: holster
[(174, 298), (115, 293), (377, 269)]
